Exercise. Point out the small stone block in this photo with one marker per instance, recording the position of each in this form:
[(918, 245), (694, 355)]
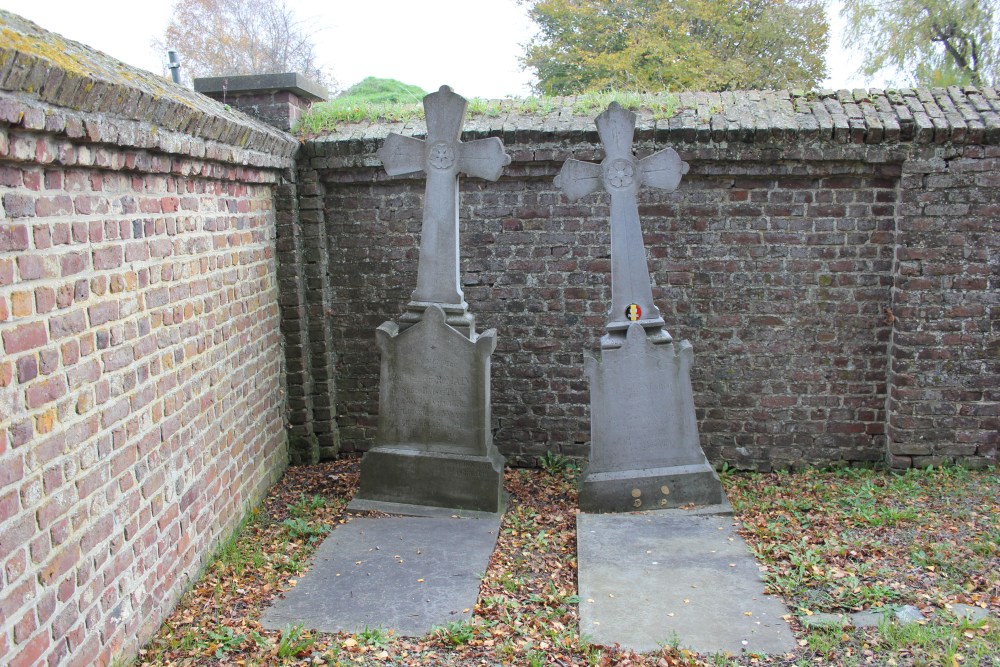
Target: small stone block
[(870, 618), (908, 614), (970, 612), (824, 620)]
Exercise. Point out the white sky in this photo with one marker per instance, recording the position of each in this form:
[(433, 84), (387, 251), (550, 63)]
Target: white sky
[(423, 42)]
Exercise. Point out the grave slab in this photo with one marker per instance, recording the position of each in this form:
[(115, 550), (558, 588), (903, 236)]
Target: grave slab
[(649, 579), (407, 574)]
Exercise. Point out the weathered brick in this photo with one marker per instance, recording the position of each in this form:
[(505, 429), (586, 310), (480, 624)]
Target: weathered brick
[(24, 337), (72, 263), (73, 322), (102, 313), (56, 205), (45, 299), (27, 369), (17, 206), (45, 391), (108, 258)]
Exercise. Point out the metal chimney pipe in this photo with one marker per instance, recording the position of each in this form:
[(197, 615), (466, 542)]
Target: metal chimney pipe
[(175, 65)]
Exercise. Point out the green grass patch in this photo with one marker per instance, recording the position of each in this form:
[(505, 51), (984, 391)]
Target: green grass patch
[(326, 117)]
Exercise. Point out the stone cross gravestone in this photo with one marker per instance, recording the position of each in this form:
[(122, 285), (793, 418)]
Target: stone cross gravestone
[(442, 157), (434, 449), (645, 452)]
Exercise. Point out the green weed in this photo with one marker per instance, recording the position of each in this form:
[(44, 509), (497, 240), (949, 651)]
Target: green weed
[(535, 658), (327, 116), (305, 507), (299, 529), (376, 637), (223, 640), (557, 464), (663, 105), (294, 641), (455, 633)]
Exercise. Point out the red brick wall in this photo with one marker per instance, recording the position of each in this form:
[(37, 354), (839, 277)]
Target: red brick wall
[(141, 386)]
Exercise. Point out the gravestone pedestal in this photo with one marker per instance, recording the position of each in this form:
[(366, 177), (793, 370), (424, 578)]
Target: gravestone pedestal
[(644, 444), (435, 447)]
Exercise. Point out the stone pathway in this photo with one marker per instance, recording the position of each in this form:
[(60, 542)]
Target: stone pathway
[(407, 574), (658, 578)]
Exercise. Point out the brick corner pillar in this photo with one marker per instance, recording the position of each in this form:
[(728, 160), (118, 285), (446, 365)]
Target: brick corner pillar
[(275, 99)]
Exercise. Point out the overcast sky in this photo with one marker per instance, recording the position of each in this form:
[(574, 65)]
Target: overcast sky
[(422, 42)]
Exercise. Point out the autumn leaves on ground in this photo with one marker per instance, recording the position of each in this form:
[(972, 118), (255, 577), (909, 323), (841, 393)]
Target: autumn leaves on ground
[(829, 542)]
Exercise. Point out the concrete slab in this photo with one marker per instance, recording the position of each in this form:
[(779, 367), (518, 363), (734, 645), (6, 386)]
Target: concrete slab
[(652, 579), (408, 574)]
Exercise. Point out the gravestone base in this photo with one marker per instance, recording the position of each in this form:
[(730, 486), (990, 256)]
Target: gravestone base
[(435, 449), (652, 489), (644, 451), (403, 480)]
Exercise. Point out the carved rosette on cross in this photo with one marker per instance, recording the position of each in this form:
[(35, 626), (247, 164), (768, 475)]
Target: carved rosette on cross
[(622, 175), (443, 156)]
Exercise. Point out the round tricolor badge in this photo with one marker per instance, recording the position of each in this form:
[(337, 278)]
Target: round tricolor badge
[(633, 312)]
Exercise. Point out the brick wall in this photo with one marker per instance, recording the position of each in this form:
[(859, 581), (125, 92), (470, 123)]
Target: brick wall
[(944, 399), (141, 386), (829, 256)]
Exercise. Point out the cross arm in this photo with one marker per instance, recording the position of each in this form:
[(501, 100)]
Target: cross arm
[(663, 169), (578, 179), (483, 158), (402, 155)]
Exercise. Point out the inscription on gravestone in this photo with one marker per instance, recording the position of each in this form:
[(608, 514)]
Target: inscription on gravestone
[(434, 447), (645, 452)]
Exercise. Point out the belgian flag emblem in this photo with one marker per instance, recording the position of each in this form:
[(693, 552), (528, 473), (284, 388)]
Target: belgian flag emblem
[(633, 312)]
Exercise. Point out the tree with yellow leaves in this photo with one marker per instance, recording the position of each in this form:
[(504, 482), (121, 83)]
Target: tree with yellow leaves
[(656, 45)]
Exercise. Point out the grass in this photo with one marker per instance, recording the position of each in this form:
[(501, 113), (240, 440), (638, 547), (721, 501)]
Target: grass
[(836, 542), (326, 117)]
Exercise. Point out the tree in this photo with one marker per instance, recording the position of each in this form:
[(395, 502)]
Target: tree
[(930, 42), (230, 37), (654, 45)]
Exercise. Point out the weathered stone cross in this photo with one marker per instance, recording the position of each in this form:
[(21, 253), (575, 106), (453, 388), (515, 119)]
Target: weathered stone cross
[(442, 156), (622, 175)]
